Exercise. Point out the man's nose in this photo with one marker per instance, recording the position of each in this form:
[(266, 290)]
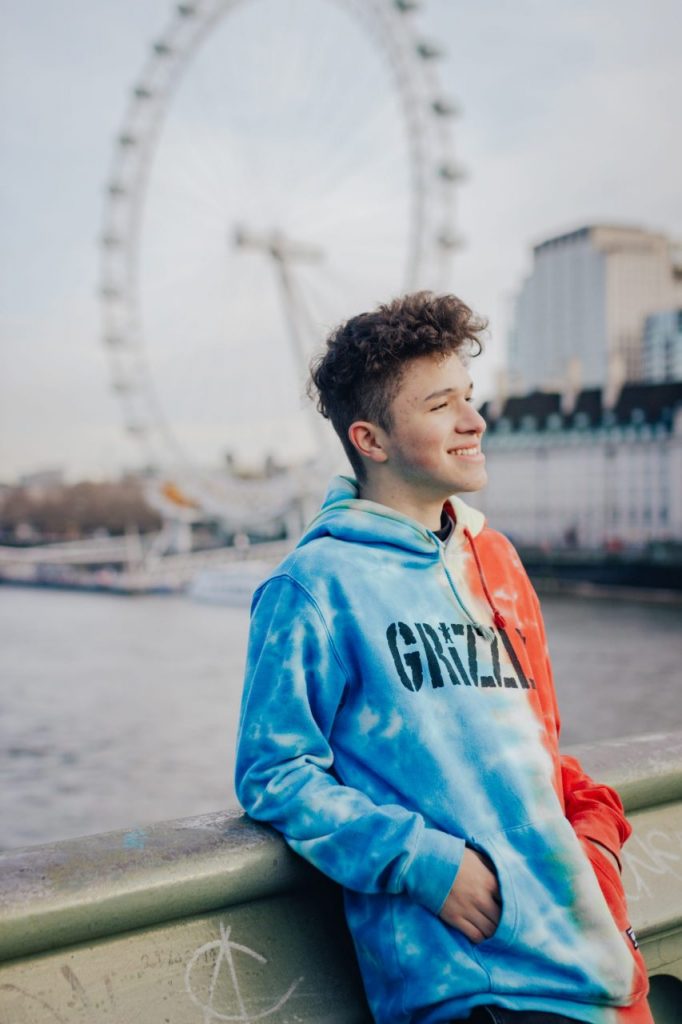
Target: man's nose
[(474, 423)]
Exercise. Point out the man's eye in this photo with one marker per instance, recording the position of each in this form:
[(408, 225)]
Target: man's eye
[(437, 407)]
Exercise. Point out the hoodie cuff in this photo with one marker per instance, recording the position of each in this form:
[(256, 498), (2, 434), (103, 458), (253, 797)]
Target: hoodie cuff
[(430, 876), (600, 831), (615, 853)]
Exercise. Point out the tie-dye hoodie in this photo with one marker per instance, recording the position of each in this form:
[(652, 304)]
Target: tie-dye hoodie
[(398, 705)]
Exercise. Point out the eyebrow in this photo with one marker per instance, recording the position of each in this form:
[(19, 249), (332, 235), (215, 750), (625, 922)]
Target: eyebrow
[(469, 390)]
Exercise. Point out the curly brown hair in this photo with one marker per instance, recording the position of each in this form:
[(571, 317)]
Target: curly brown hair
[(358, 375)]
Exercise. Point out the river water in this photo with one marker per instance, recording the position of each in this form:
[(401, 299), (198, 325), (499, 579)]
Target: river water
[(119, 711)]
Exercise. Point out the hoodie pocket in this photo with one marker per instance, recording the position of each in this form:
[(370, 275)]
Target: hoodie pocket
[(556, 926), (503, 936)]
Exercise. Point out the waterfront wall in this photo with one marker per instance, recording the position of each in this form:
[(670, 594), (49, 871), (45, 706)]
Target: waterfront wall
[(212, 918)]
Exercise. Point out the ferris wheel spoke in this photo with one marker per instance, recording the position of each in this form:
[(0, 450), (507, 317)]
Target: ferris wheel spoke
[(352, 125), (331, 119), (327, 205), (310, 118), (358, 162), (199, 175)]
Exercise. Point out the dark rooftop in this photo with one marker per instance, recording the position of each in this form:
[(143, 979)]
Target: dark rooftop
[(640, 403)]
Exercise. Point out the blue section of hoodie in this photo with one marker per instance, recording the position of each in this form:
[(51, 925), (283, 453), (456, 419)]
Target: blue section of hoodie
[(368, 739)]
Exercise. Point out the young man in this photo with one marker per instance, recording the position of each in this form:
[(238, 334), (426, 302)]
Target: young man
[(399, 723)]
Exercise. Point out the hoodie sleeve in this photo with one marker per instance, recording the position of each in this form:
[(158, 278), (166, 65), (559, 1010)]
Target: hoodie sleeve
[(293, 689), (594, 810)]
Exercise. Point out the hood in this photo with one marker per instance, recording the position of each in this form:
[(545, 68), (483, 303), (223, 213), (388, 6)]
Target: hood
[(347, 517)]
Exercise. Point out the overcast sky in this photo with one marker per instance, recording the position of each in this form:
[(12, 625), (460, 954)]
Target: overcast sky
[(570, 116)]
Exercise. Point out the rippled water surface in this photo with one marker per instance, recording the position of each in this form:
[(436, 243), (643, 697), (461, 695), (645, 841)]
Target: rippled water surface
[(117, 711)]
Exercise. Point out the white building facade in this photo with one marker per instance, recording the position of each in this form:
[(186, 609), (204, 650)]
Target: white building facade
[(592, 477), (580, 313)]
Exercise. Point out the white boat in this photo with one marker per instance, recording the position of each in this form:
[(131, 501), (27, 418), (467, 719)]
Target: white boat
[(229, 584)]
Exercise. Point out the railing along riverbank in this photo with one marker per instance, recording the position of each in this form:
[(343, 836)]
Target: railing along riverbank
[(213, 919)]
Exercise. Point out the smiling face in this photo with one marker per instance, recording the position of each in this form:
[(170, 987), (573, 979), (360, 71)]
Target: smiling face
[(433, 446), (434, 443)]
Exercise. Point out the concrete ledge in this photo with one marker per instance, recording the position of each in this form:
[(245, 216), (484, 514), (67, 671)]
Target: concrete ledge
[(82, 889), (192, 920), (645, 770)]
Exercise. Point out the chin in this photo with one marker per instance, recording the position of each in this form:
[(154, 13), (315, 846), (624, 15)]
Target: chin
[(469, 486)]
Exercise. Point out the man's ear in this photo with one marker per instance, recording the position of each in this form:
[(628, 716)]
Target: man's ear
[(368, 439)]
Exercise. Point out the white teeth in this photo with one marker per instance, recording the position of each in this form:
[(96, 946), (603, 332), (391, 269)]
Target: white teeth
[(467, 451)]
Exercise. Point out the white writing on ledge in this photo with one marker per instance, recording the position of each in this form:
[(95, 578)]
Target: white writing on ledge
[(224, 948)]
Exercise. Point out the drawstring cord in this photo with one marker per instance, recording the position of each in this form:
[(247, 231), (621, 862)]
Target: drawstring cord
[(498, 617)]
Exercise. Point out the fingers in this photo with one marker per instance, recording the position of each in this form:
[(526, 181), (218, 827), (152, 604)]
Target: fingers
[(485, 916), (476, 926), (480, 927), (474, 903), (491, 878), (478, 922), (491, 909), (472, 933)]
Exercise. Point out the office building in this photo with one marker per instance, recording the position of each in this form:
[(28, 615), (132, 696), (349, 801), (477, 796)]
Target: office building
[(581, 312)]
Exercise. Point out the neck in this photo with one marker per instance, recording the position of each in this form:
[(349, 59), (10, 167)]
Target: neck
[(424, 509)]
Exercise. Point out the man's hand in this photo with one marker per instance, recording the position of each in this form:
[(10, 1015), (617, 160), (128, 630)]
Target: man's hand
[(473, 904)]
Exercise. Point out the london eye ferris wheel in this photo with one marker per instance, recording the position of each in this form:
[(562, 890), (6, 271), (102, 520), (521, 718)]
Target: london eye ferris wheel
[(282, 165)]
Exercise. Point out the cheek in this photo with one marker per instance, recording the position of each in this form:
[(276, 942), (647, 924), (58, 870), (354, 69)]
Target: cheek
[(426, 448)]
